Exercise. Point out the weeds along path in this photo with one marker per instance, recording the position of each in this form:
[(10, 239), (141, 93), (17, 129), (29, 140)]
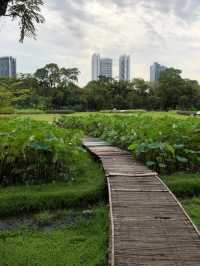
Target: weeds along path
[(148, 224)]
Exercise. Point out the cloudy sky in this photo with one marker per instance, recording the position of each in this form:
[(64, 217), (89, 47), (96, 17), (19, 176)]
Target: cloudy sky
[(167, 31)]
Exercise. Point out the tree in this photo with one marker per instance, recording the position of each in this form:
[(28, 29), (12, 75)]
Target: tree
[(28, 12), (51, 77), (175, 92), (57, 85), (5, 98), (190, 95), (170, 88), (69, 75)]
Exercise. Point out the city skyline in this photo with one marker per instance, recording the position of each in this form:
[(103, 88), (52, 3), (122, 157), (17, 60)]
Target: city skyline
[(101, 66), (164, 32)]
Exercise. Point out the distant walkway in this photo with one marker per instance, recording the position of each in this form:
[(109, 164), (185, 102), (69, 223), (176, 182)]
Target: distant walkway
[(148, 225)]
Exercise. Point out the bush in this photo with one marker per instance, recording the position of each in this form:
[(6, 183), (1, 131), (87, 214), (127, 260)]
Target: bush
[(165, 144), (35, 152)]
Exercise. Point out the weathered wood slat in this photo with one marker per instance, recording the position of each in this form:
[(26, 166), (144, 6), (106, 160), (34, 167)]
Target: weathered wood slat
[(148, 225)]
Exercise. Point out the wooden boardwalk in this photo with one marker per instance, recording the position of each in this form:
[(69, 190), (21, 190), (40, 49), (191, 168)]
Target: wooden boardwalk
[(148, 225)]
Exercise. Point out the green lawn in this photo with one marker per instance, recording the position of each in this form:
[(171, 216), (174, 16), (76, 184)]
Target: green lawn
[(186, 186), (183, 185), (37, 117), (80, 241), (87, 188), (52, 117), (192, 207)]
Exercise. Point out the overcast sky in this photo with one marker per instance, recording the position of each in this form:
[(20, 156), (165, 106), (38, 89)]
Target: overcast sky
[(167, 31)]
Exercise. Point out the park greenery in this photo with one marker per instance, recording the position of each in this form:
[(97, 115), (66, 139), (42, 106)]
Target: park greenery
[(52, 197), (55, 89), (165, 144), (34, 152), (52, 193), (66, 215)]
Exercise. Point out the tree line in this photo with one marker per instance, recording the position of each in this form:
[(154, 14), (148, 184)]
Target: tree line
[(56, 88)]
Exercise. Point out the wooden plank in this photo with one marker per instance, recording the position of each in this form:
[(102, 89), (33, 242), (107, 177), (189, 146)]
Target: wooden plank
[(148, 225)]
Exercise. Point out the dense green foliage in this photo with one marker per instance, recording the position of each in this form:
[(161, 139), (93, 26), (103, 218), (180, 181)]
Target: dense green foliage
[(79, 240), (166, 144), (54, 88), (35, 152)]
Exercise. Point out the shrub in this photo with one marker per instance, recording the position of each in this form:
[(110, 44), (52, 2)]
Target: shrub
[(35, 152), (165, 144)]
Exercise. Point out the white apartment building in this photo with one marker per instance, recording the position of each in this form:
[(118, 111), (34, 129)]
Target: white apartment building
[(101, 67)]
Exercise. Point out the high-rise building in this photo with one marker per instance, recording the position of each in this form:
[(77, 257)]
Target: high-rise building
[(101, 67), (155, 71), (106, 67), (95, 66), (124, 67), (8, 67)]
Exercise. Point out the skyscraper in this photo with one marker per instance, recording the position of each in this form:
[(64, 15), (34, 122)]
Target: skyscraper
[(8, 67), (95, 66), (124, 67), (155, 71), (106, 66), (101, 67)]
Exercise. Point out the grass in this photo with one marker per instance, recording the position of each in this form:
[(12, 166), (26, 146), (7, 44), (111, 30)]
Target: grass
[(52, 117), (186, 186), (88, 188), (183, 184), (50, 237), (78, 239), (192, 207), (37, 117), (82, 242)]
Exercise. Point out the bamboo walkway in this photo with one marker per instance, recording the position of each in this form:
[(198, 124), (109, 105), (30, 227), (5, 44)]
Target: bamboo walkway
[(148, 225)]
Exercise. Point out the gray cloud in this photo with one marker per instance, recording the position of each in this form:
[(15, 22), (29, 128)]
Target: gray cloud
[(74, 14), (183, 8), (150, 30)]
